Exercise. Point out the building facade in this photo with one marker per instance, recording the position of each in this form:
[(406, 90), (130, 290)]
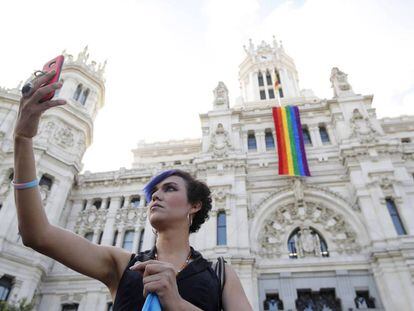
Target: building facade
[(342, 239)]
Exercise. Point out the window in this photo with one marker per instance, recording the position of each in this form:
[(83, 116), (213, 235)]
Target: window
[(70, 307), (89, 236), (271, 93), (280, 92), (295, 242), (122, 202), (11, 175), (270, 142), (100, 237), (324, 135), (109, 306), (363, 300), (262, 94), (46, 181), (84, 96), (108, 203), (177, 162), (6, 283), (115, 238), (260, 79), (268, 78), (77, 92), (324, 299), (85, 203), (97, 203), (306, 136), (392, 209), (272, 302), (406, 140), (251, 141), (141, 240), (221, 228), (128, 240), (135, 201)]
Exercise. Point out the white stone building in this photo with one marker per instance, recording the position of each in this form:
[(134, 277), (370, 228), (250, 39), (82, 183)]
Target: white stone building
[(339, 240)]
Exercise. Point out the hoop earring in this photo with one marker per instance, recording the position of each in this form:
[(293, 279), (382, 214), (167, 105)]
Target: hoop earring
[(190, 219)]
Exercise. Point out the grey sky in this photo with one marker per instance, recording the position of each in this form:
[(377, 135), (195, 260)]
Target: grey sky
[(165, 57)]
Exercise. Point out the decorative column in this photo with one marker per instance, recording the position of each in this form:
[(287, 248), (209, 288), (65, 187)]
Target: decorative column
[(136, 240), (261, 147), (74, 213), (109, 228), (315, 137), (287, 292), (331, 134), (120, 237), (96, 233), (345, 290)]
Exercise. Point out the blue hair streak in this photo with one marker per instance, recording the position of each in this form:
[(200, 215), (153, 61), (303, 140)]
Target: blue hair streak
[(155, 181)]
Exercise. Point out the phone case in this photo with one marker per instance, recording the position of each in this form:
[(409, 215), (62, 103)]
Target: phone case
[(56, 64)]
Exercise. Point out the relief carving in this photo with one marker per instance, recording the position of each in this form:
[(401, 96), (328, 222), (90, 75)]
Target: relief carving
[(220, 142)]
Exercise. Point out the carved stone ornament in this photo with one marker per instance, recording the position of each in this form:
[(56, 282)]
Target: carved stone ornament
[(339, 82), (362, 128), (221, 96), (307, 244), (65, 137), (272, 236), (131, 216), (91, 219), (220, 142), (44, 193)]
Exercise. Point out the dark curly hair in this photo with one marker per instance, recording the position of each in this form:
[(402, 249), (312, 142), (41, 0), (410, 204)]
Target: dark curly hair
[(197, 191)]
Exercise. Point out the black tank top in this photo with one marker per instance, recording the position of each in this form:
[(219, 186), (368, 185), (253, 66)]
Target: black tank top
[(197, 283)]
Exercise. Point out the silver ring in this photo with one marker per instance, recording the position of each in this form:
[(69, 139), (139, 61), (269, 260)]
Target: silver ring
[(27, 88)]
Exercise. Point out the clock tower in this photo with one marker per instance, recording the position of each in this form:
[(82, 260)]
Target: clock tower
[(267, 73)]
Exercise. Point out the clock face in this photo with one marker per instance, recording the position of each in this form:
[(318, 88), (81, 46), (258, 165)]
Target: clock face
[(265, 57)]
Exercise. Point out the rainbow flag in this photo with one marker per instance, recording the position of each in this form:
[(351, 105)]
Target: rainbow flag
[(290, 146)]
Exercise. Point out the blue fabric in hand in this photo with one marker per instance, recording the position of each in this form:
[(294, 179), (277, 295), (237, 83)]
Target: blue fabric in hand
[(152, 303)]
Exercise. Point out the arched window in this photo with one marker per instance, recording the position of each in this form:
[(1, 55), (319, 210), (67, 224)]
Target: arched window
[(260, 79), (84, 96), (324, 134), (97, 203), (46, 181), (122, 202), (109, 306), (392, 209), (70, 307), (78, 92), (115, 238), (6, 284), (270, 142), (221, 228), (11, 175), (108, 203), (279, 83), (128, 240), (141, 240), (269, 79), (135, 200), (251, 141), (89, 236), (306, 136), (307, 241), (85, 203)]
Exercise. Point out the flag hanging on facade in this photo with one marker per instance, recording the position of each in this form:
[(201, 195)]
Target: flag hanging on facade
[(290, 146)]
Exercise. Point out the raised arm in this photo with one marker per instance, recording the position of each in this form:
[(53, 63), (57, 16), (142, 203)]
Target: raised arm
[(104, 263)]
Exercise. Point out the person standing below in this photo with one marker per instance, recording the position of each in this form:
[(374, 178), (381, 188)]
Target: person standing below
[(178, 205)]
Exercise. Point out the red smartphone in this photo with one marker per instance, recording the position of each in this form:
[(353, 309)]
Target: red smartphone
[(55, 64)]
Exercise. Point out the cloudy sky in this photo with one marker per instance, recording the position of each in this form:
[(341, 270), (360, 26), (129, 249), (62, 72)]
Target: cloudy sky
[(166, 56)]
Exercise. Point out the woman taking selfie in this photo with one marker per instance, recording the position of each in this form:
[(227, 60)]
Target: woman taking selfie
[(178, 205)]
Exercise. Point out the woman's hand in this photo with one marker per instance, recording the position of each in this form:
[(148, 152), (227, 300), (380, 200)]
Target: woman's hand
[(31, 109), (160, 278)]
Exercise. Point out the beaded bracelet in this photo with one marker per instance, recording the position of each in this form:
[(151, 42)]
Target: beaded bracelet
[(25, 185)]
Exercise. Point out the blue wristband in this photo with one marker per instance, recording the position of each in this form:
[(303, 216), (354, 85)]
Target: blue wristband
[(25, 185)]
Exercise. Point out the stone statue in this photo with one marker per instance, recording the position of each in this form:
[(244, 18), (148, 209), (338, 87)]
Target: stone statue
[(360, 302), (220, 142), (307, 243), (221, 96), (339, 81)]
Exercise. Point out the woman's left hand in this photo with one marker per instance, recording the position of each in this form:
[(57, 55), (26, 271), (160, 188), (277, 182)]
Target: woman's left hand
[(160, 278)]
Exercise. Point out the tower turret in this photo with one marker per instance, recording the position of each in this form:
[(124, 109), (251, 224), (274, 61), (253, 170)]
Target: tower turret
[(268, 72)]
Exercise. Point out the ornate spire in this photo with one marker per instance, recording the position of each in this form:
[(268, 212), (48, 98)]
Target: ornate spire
[(82, 60)]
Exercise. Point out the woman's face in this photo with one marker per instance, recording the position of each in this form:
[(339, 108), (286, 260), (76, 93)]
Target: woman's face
[(169, 205)]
